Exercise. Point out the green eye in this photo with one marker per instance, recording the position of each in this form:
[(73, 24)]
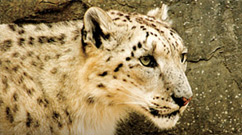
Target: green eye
[(148, 61), (145, 61)]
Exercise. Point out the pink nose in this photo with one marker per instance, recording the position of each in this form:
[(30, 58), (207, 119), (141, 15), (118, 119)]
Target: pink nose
[(181, 101), (186, 101)]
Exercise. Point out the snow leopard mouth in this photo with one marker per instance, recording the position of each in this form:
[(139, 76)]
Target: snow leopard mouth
[(156, 113), (172, 110)]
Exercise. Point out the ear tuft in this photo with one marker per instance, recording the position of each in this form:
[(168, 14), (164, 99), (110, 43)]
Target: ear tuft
[(97, 24), (160, 13)]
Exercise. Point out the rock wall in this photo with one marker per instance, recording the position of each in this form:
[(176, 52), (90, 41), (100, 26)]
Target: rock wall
[(212, 30)]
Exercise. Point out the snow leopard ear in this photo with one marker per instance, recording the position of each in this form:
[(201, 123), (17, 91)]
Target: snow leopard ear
[(160, 13), (97, 26)]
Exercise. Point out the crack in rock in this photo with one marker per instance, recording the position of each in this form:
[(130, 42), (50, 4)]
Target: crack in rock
[(207, 58)]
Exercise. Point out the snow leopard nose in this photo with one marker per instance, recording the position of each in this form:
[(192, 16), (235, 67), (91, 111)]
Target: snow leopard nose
[(181, 101)]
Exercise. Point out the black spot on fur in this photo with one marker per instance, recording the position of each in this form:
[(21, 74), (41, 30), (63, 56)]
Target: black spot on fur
[(30, 53), (134, 48), (171, 33), (103, 74), (116, 18), (31, 40), (12, 27), (153, 25), (139, 44), (42, 39), (15, 108), (21, 32), (68, 115), (53, 71), (67, 112), (34, 63), (42, 102), (60, 125), (9, 115), (51, 129), (47, 57), (51, 40), (108, 59), (147, 34), (76, 37), (29, 120), (15, 54), (61, 38), (29, 91), (15, 97), (57, 56), (90, 100), (133, 27), (5, 83), (5, 45), (100, 85), (56, 117), (118, 67), (128, 17), (36, 124), (109, 96), (37, 57), (49, 25), (128, 59), (160, 75), (21, 41), (23, 57), (132, 54), (120, 14)]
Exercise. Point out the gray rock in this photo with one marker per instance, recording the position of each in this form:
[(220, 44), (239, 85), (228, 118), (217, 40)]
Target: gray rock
[(212, 30)]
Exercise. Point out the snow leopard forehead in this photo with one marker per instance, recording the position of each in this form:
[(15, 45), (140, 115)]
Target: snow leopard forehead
[(153, 33)]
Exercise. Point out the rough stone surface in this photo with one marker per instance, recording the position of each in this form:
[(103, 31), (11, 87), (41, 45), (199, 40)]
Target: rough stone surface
[(212, 30)]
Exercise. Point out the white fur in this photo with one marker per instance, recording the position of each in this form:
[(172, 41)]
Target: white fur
[(160, 13)]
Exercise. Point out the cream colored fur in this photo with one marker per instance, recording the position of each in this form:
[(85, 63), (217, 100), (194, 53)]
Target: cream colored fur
[(83, 78)]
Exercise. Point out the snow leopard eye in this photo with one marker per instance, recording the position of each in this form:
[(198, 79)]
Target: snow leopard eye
[(183, 57), (148, 61)]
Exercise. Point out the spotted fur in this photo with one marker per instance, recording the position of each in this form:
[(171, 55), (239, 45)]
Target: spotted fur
[(82, 77)]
